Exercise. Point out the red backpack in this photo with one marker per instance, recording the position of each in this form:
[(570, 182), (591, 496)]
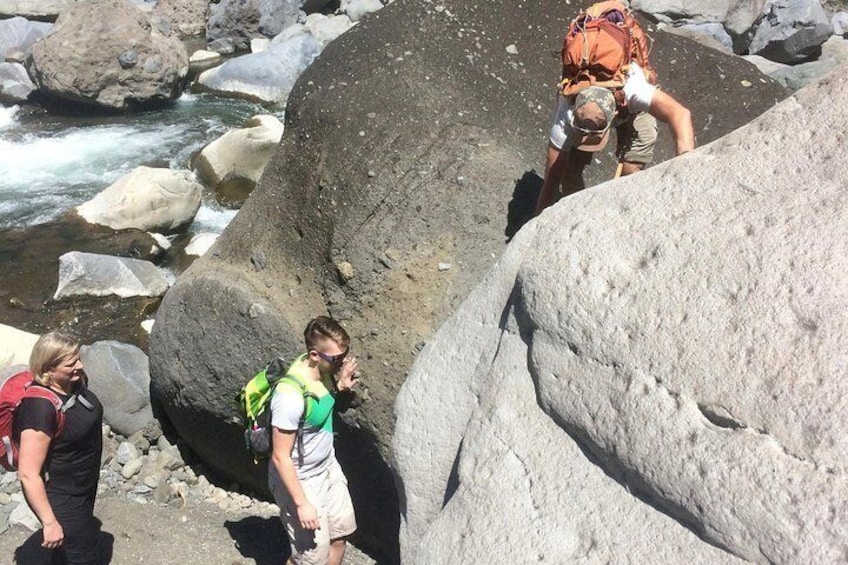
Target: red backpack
[(599, 46), (16, 388)]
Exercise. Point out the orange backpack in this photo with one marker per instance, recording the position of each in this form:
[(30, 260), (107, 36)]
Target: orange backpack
[(599, 46)]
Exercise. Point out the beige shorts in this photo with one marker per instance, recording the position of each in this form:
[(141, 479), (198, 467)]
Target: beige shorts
[(328, 493), (636, 138)]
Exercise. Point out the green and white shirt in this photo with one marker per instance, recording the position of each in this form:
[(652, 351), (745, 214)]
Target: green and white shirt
[(287, 407)]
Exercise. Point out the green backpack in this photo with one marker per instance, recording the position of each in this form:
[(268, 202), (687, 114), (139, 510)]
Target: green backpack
[(254, 401)]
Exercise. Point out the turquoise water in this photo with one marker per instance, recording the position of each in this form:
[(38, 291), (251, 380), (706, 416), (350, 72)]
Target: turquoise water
[(50, 164)]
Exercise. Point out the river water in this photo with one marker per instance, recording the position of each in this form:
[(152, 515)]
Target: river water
[(50, 164)]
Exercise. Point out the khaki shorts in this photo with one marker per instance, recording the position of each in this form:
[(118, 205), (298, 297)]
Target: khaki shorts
[(328, 493), (636, 138)]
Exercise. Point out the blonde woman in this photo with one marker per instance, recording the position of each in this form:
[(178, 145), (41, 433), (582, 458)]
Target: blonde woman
[(59, 472)]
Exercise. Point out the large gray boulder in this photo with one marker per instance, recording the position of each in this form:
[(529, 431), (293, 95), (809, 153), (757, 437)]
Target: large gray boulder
[(146, 198), (120, 376), (19, 34), (267, 76), (90, 274), (790, 31), (654, 370), (403, 150), (119, 62), (737, 16), (794, 77)]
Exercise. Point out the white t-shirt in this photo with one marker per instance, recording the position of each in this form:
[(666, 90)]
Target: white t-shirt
[(637, 91), (287, 406)]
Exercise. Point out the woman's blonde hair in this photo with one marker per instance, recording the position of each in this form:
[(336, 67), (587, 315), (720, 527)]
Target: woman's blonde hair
[(48, 352)]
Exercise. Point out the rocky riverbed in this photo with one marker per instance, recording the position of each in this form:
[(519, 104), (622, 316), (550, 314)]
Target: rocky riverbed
[(156, 508)]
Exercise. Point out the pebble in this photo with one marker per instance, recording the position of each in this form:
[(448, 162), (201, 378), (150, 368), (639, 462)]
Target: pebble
[(445, 266)]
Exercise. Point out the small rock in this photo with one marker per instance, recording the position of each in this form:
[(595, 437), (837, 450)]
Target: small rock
[(445, 266), (5, 498), (256, 310), (132, 467), (512, 49), (126, 453), (23, 516), (746, 83), (139, 441), (345, 271)]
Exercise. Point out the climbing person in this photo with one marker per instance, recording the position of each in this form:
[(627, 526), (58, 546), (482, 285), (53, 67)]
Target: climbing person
[(304, 476), (607, 82)]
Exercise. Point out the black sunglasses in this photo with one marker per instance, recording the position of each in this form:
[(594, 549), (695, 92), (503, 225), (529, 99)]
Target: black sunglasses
[(332, 359)]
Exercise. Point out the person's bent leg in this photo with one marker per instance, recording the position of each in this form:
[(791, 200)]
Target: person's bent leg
[(555, 162), (572, 177), (637, 138), (337, 551)]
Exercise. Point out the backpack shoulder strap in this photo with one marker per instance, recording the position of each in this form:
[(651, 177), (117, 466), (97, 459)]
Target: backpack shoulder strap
[(59, 406), (295, 382)]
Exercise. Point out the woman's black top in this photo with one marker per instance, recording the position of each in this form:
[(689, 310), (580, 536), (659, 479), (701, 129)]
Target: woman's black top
[(73, 460)]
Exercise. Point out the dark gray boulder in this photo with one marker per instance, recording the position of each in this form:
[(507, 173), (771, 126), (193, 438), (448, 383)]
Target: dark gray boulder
[(242, 20), (410, 155), (790, 31), (118, 62)]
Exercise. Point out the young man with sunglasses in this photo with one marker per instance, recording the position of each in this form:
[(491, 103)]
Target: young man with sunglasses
[(304, 476), (582, 123)]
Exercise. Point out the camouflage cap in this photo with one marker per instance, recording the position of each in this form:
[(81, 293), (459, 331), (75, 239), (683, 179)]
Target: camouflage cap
[(592, 115)]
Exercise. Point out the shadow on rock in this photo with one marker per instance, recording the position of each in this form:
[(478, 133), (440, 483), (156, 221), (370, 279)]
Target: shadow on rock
[(262, 539)]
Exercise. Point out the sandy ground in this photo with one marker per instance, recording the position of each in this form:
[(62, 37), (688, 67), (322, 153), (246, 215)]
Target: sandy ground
[(148, 533)]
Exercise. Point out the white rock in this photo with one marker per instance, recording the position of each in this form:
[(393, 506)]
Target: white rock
[(101, 275), (240, 154), (146, 199), (357, 9), (325, 29), (23, 516), (147, 325), (126, 453), (15, 346), (203, 56), (200, 243), (132, 467), (258, 44), (163, 242)]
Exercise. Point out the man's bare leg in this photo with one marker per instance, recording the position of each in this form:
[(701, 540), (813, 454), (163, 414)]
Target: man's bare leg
[(630, 168), (563, 175), (337, 551)]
